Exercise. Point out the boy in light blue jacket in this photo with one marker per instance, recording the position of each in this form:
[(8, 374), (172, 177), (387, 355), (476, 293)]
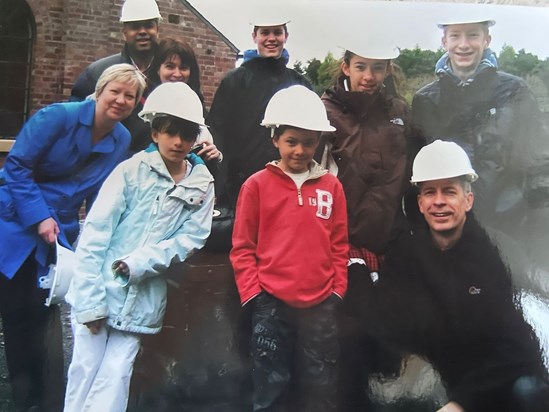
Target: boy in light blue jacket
[(154, 210)]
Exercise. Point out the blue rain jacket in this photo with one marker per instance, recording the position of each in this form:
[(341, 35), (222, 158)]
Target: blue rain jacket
[(51, 169)]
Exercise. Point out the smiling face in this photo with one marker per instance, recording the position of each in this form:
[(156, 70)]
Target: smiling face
[(365, 75), (270, 41), (116, 101), (297, 148), (173, 70), (444, 204), (465, 44), (141, 36)]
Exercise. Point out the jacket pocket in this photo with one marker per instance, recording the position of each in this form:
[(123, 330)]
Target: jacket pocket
[(7, 206), (190, 196)]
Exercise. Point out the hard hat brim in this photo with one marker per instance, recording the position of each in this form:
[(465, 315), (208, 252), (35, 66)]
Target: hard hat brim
[(327, 128), (488, 22), (272, 23), (388, 53)]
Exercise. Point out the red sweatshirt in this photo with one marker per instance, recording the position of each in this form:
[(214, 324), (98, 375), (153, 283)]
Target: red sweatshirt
[(291, 243)]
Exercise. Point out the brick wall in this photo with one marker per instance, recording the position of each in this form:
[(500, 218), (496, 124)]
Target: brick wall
[(70, 34)]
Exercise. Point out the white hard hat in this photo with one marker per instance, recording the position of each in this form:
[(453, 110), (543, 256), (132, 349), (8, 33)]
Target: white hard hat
[(442, 160), (466, 20), (137, 10), (269, 22), (175, 99), (374, 50), (59, 276), (297, 106)]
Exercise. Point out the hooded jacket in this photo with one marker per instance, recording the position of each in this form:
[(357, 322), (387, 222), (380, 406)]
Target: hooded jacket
[(290, 242), (457, 309), (237, 111), (142, 217), (495, 118), (373, 146)]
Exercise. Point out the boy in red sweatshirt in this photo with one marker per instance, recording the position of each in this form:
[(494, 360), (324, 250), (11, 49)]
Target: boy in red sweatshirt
[(290, 253)]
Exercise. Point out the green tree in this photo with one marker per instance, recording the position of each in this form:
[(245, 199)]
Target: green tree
[(311, 71), (527, 63), (298, 67), (518, 63), (418, 62), (507, 59), (321, 73), (327, 72)]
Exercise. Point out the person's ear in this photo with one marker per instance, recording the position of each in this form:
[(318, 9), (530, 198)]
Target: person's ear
[(154, 136), (470, 199), (419, 203), (345, 69), (443, 42), (488, 41), (389, 69)]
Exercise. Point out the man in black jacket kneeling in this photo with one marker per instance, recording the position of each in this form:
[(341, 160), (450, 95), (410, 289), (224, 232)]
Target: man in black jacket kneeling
[(445, 294)]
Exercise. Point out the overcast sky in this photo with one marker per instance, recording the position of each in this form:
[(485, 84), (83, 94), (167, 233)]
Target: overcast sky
[(319, 26)]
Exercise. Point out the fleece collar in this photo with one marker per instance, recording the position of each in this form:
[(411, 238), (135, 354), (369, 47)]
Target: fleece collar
[(444, 68), (199, 178), (253, 54), (315, 170)]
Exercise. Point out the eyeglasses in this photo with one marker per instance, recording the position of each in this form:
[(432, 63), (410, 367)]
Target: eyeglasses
[(136, 25)]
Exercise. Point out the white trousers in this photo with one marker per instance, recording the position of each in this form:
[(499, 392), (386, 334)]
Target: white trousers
[(101, 369)]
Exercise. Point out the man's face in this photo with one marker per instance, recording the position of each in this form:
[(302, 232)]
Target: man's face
[(141, 35), (465, 44), (270, 41), (365, 75), (444, 203)]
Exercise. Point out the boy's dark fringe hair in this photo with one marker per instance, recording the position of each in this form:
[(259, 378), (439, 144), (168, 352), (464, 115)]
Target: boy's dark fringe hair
[(282, 128), (176, 126)]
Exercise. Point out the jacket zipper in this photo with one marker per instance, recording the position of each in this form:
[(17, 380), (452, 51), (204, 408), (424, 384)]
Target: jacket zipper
[(299, 197), (156, 205)]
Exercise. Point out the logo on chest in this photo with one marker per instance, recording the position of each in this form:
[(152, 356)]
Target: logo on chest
[(323, 202)]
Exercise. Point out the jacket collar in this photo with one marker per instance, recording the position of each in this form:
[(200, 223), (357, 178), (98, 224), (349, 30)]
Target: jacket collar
[(253, 59), (315, 170), (251, 54), (199, 177), (86, 117), (443, 68), (357, 102)]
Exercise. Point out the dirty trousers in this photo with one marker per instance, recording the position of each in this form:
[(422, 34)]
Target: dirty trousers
[(101, 368), (294, 353)]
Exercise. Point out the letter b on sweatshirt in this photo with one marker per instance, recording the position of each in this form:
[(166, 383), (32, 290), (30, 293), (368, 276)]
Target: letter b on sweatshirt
[(324, 204)]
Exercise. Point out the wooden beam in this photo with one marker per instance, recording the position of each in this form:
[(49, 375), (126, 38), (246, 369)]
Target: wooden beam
[(5, 145)]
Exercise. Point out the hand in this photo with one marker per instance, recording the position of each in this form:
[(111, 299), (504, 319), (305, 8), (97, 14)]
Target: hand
[(209, 152), (451, 407), (48, 230), (95, 325), (121, 269)]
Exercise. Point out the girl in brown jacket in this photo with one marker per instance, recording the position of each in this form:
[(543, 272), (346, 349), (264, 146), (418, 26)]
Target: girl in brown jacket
[(371, 153)]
